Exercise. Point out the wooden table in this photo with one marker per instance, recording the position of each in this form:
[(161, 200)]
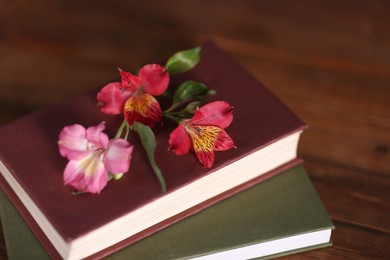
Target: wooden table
[(329, 61)]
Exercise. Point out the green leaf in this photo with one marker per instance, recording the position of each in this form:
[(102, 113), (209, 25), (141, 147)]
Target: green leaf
[(149, 143), (186, 113), (183, 61), (189, 110), (191, 107), (190, 90)]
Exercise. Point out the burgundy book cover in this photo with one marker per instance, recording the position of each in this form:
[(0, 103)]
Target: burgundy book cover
[(28, 149)]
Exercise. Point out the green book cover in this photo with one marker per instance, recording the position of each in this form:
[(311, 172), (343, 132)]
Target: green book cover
[(282, 215)]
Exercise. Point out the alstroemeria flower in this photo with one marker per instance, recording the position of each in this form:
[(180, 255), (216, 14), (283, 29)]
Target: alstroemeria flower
[(92, 156), (204, 132), (134, 96)]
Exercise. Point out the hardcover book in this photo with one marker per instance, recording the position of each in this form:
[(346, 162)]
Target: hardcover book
[(265, 132), (280, 216)]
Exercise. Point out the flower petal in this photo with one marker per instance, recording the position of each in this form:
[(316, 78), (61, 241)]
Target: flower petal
[(74, 176), (179, 141), (223, 142), (98, 180), (72, 142), (217, 113), (143, 108), (154, 79), (205, 158), (112, 98), (203, 137), (129, 81), (205, 140), (87, 174), (117, 156), (96, 136)]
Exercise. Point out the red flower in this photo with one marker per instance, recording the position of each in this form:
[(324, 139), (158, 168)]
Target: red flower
[(134, 95), (204, 132)]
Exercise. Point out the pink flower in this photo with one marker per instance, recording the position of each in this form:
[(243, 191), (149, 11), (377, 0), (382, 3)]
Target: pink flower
[(204, 132), (92, 156), (134, 95)]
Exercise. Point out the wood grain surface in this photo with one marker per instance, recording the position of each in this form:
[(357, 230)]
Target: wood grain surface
[(329, 61)]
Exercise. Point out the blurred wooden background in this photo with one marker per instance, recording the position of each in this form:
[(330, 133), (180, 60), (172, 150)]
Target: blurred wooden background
[(329, 61)]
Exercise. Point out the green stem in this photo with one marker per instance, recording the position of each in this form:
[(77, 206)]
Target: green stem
[(172, 117), (127, 130), (174, 106), (120, 130)]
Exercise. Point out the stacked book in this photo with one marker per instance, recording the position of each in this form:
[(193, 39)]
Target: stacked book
[(256, 200)]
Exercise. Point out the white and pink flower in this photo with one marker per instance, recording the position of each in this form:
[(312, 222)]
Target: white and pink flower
[(92, 157)]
